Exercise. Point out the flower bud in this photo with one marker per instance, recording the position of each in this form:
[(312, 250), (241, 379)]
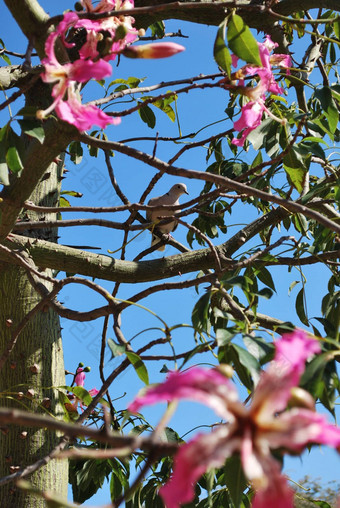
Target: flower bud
[(301, 398), (156, 50), (226, 370), (121, 31)]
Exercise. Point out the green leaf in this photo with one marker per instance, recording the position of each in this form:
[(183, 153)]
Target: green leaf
[(148, 116), (247, 360), (4, 132), (164, 105), (81, 394), (171, 435), (87, 476), (157, 29), (69, 416), (336, 28), (242, 42), (5, 57), (259, 348), (221, 52), (63, 202), (33, 128), (200, 312), (323, 504), (292, 286), (300, 307), (324, 95), (116, 349), (4, 179), (235, 479), (139, 366), (265, 293), (294, 163), (13, 159), (224, 336), (265, 276), (258, 137), (76, 152), (74, 194)]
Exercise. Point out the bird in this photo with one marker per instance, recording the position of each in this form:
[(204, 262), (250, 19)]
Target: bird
[(170, 198)]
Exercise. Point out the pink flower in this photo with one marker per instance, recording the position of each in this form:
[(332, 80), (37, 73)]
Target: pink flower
[(105, 38), (74, 400), (156, 50), (65, 78), (93, 392), (80, 377), (120, 28), (250, 431), (252, 112), (82, 116)]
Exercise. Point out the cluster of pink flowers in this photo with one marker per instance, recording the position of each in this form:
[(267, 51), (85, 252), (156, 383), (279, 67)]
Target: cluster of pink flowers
[(117, 33), (252, 112), (79, 380), (252, 431)]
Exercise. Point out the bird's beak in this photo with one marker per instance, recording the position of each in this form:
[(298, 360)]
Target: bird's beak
[(186, 192)]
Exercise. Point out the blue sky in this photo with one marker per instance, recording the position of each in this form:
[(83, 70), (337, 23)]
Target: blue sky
[(82, 340)]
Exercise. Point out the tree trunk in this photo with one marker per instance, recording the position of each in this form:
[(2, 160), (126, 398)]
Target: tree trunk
[(36, 364), (38, 349)]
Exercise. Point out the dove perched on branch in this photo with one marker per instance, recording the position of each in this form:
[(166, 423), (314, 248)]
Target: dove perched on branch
[(170, 198)]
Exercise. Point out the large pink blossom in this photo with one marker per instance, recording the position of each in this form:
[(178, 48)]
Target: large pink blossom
[(252, 431), (104, 39), (120, 29), (252, 112), (65, 78)]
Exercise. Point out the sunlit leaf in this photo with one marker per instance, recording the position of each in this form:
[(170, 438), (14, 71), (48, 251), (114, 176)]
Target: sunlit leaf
[(221, 52), (296, 165), (116, 349), (336, 28), (242, 42), (4, 178), (139, 366)]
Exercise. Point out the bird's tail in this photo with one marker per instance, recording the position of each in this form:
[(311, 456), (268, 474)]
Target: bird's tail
[(155, 240)]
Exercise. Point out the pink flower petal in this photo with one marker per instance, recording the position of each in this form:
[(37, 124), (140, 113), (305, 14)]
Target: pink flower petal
[(80, 377), (251, 117), (277, 494), (84, 70), (295, 348), (192, 460), (83, 117), (297, 428), (202, 385)]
